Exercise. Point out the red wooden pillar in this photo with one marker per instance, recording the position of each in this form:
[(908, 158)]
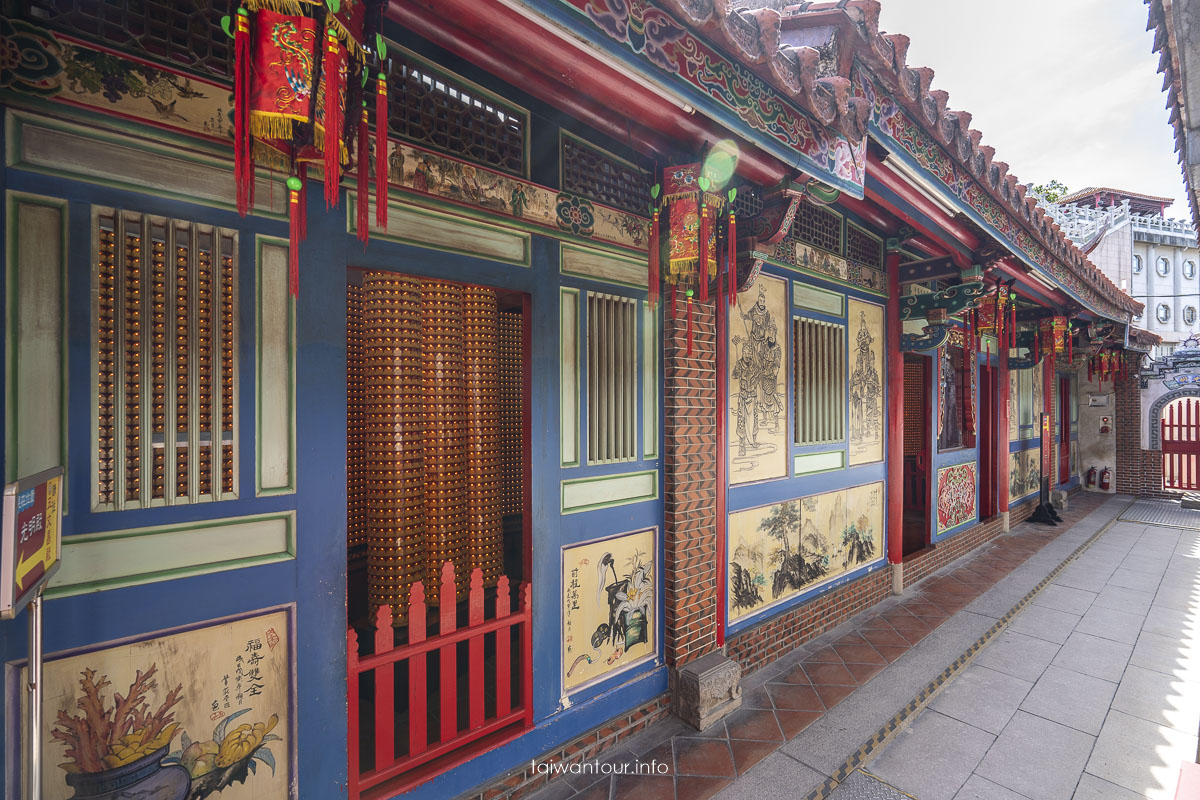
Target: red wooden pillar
[(1048, 461), (895, 415), (1000, 386)]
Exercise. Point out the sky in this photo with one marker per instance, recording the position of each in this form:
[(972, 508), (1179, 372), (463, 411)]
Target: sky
[(1065, 89)]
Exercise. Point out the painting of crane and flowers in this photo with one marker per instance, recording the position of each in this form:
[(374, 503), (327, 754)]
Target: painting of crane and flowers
[(203, 713), (780, 550), (609, 614)]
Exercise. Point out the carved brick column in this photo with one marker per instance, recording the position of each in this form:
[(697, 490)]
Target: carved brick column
[(707, 688)]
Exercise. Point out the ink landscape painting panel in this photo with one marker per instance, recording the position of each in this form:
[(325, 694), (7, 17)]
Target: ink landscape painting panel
[(780, 550)]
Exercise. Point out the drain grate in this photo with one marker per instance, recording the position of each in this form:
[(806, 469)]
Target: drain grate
[(862, 785), (1162, 512)]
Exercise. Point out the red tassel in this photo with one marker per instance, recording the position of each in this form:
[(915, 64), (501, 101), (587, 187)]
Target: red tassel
[(381, 152), (243, 167), (333, 118), (702, 268), (294, 223), (1012, 324), (364, 231), (1091, 368), (689, 329), (1070, 347), (731, 263), (654, 254), (303, 202)]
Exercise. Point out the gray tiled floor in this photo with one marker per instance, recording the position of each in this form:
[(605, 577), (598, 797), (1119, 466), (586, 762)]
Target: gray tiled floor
[(1092, 693)]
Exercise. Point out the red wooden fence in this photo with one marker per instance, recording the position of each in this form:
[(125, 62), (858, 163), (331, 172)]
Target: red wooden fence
[(417, 759), (1181, 445)]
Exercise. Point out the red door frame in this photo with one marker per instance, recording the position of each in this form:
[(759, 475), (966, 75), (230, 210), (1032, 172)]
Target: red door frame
[(917, 474), (987, 444), (1064, 430)]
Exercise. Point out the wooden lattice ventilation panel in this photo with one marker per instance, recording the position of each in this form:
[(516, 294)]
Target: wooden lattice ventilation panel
[(915, 407), (439, 111), (165, 361), (612, 378), (818, 226), (863, 248), (820, 390), (591, 172)]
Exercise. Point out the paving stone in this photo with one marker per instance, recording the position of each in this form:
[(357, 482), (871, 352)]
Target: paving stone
[(1017, 654), (1045, 623), (933, 757), (1133, 601), (1092, 788), (1095, 656), (1159, 698), (1070, 698), (977, 788), (1065, 598), (1037, 758), (1109, 623), (1169, 655), (765, 778), (1131, 579), (982, 697), (1140, 756), (1080, 577), (1172, 622)]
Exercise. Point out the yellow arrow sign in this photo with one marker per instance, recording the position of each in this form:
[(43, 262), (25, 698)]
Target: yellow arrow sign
[(45, 554), (27, 565)]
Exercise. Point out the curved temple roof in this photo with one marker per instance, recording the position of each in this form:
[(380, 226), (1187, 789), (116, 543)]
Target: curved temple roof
[(808, 50), (1171, 63)]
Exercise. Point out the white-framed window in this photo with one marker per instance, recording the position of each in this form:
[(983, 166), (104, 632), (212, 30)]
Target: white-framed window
[(1164, 267), (1137, 264), (1163, 312), (1189, 315), (612, 378), (1189, 269)]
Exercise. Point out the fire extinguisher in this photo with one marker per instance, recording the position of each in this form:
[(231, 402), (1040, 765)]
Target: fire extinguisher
[(1104, 479), (1091, 477)]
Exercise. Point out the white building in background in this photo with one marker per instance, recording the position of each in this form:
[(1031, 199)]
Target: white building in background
[(1153, 258)]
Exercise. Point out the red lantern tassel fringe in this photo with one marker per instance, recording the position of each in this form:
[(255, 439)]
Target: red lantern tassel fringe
[(731, 263), (689, 328), (243, 166), (364, 227), (294, 236), (702, 268), (303, 202), (333, 118), (654, 254), (381, 152)]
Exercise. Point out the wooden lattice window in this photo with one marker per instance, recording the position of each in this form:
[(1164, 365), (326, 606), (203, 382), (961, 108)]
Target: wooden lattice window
[(165, 361), (183, 33), (863, 248), (612, 378), (442, 112), (820, 375), (589, 171), (818, 226)]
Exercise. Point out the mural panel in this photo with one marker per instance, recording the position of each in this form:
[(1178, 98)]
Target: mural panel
[(200, 713), (780, 550), (608, 607), (1024, 473), (1014, 406), (956, 496), (757, 396), (866, 382)]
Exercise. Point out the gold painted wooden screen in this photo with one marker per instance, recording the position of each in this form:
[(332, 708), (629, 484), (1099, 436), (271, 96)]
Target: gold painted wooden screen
[(164, 356), (612, 378), (820, 374)]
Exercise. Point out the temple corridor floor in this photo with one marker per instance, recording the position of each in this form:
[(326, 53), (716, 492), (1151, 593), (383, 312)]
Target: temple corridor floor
[(970, 637)]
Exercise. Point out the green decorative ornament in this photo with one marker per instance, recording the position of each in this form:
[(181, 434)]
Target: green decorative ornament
[(225, 25), (732, 194), (380, 47), (704, 183), (334, 5), (294, 184), (654, 190), (689, 294)]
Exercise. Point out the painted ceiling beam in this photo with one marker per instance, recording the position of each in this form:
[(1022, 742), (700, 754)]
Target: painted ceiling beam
[(562, 72)]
